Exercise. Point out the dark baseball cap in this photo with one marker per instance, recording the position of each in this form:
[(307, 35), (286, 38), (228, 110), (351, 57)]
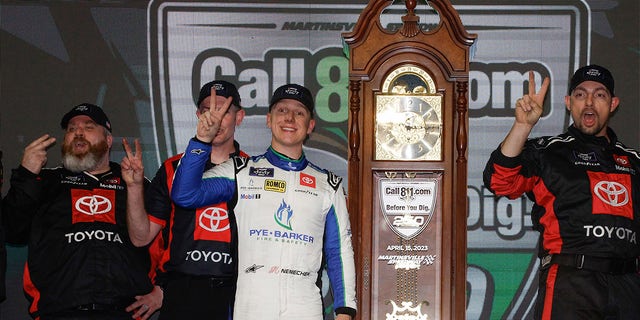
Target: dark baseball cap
[(592, 73), (295, 92), (223, 89), (90, 110)]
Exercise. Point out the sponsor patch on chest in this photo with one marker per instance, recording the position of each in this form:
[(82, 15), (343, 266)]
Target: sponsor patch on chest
[(275, 185), (611, 194), (96, 205)]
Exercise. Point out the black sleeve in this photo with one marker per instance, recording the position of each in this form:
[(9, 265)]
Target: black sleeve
[(20, 204), (157, 200)]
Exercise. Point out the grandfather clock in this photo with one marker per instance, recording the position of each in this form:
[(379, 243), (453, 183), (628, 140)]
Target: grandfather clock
[(408, 137)]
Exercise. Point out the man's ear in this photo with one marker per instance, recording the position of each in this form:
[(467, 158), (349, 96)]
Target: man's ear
[(109, 139), (615, 101), (312, 124), (239, 116)]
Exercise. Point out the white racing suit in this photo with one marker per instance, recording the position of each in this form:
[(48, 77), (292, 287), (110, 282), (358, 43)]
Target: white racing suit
[(290, 215)]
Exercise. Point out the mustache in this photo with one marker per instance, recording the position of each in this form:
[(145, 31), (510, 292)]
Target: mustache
[(97, 148), (80, 139), (67, 147)]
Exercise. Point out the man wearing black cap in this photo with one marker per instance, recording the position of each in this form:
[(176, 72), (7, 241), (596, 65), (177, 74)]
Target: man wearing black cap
[(81, 263), (197, 268), (585, 185), (290, 215)]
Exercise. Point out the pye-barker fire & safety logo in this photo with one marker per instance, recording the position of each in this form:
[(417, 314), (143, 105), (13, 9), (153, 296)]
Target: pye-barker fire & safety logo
[(283, 215)]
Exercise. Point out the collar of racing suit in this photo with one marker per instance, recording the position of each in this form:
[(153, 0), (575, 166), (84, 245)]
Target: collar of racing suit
[(283, 162), (601, 141)]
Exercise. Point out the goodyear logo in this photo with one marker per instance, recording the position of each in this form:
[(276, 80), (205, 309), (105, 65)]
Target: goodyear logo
[(275, 185)]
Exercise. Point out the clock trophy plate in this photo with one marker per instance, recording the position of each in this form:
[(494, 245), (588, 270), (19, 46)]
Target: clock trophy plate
[(406, 246)]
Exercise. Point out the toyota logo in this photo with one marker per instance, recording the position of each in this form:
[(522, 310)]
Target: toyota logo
[(612, 193), (211, 219), (93, 205)]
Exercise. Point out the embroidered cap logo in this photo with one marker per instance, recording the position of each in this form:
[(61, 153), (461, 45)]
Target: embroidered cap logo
[(593, 72), (292, 91)]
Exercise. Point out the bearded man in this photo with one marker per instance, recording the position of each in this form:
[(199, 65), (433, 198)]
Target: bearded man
[(81, 263)]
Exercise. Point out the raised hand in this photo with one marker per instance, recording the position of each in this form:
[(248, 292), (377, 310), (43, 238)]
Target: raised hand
[(132, 167), (529, 107), (209, 121), (528, 112), (35, 154)]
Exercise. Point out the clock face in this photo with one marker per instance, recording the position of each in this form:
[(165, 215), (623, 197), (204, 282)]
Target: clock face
[(408, 127), (408, 117)]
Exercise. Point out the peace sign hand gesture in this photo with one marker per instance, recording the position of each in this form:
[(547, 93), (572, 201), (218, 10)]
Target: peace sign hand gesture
[(528, 112), (529, 107), (209, 121), (132, 167)]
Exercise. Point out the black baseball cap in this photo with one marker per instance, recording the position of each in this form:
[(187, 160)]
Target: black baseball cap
[(593, 73), (91, 110), (295, 92), (223, 88)]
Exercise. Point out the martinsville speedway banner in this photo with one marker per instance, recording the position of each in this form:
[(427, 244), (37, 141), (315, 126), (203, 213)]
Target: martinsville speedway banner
[(145, 62)]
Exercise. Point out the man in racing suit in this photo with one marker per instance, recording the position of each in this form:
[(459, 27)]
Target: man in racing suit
[(585, 185), (290, 215), (197, 268), (80, 263)]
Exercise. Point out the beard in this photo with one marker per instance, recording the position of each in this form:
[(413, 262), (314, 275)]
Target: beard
[(86, 160)]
